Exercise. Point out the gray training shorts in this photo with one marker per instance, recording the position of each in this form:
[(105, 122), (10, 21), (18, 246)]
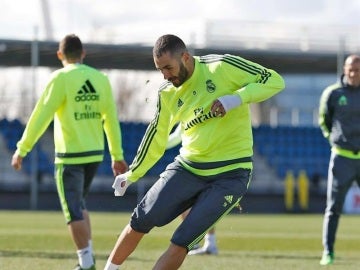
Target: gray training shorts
[(210, 198), (73, 183)]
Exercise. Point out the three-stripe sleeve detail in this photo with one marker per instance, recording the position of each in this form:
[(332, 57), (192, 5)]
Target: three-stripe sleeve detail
[(239, 63), (147, 139)]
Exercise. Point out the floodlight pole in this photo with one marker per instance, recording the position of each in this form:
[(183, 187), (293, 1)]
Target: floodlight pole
[(340, 57), (34, 160)]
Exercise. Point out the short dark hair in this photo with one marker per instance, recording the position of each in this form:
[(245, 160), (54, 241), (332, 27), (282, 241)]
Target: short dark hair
[(168, 43), (71, 46)]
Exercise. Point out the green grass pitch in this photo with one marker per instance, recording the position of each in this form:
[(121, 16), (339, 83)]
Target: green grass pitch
[(40, 240)]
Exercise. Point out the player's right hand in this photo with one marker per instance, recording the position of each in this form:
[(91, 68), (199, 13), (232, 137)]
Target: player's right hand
[(120, 185), (119, 167), (16, 161)]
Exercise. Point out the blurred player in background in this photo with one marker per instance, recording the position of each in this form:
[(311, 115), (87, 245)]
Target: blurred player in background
[(210, 246), (79, 99), (209, 96), (339, 119)]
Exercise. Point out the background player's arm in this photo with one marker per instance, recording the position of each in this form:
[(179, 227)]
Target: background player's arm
[(113, 133), (325, 118), (42, 115)]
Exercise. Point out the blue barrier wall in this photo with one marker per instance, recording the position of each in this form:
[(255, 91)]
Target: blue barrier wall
[(283, 147)]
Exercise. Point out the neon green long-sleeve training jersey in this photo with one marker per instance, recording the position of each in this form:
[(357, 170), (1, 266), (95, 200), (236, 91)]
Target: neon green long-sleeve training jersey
[(80, 101), (210, 144)]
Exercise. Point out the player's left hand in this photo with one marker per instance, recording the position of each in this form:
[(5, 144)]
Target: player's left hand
[(224, 104), (217, 108)]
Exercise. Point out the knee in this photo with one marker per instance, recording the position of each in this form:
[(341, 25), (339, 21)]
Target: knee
[(129, 230), (177, 250), (145, 223)]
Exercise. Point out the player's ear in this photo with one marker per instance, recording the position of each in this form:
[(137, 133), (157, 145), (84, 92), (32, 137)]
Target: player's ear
[(60, 56), (83, 54), (185, 57)]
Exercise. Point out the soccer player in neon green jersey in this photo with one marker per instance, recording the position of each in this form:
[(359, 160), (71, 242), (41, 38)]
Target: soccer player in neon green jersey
[(79, 99), (209, 96)]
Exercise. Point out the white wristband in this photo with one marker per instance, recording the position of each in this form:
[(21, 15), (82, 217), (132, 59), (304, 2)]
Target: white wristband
[(230, 101), (120, 185)]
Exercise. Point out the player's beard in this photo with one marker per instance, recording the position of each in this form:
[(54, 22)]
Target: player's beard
[(181, 77)]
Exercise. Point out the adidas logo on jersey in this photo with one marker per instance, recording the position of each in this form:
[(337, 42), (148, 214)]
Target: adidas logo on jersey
[(87, 93), (229, 198)]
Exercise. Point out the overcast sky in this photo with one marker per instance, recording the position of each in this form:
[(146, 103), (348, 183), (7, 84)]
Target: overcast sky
[(124, 21)]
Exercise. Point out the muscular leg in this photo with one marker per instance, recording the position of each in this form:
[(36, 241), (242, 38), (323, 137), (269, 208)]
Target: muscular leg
[(171, 259), (125, 245)]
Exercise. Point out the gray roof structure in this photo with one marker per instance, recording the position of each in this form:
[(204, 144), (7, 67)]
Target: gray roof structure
[(139, 57)]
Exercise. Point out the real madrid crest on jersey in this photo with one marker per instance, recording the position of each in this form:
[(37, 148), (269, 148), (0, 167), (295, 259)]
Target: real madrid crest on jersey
[(210, 86), (342, 101)]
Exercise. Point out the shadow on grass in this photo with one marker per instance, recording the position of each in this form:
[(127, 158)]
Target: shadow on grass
[(301, 257), (35, 254), (271, 256), (53, 255)]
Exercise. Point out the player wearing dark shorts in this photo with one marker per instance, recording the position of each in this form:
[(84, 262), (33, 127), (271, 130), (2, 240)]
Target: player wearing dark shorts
[(210, 244), (73, 183), (179, 190), (78, 98), (209, 96)]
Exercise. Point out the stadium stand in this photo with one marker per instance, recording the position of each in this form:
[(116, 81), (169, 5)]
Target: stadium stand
[(283, 147), (293, 148), (12, 131), (132, 134)]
